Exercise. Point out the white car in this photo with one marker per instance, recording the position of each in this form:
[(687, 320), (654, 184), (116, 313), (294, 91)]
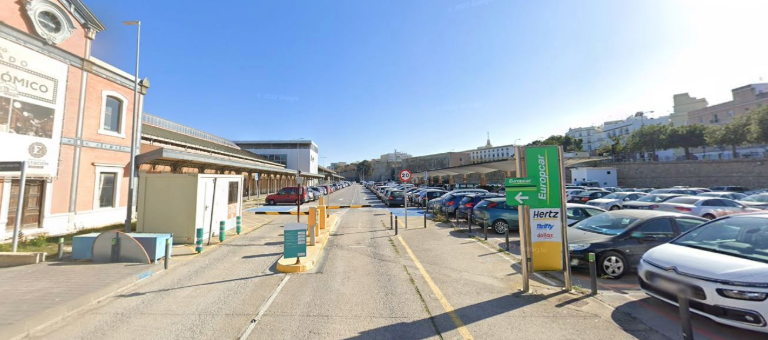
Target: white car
[(616, 200), (569, 193), (724, 265)]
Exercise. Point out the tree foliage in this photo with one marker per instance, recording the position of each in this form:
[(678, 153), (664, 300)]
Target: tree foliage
[(732, 134), (568, 143), (686, 137), (365, 168)]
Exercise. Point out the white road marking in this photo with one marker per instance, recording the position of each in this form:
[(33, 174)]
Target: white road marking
[(264, 308)]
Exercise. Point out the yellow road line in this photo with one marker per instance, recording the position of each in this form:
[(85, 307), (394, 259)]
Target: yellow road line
[(440, 297)]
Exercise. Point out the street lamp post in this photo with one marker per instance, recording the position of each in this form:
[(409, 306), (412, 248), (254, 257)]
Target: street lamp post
[(136, 122)]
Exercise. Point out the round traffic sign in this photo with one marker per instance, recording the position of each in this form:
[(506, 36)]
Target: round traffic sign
[(405, 175)]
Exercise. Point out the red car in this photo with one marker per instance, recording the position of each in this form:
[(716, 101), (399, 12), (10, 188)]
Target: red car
[(288, 195), (328, 188)]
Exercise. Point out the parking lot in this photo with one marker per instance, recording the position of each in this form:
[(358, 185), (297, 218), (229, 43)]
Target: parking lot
[(623, 294)]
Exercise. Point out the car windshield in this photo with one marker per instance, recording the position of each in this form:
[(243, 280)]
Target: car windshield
[(652, 198), (760, 198), (606, 224), (743, 237)]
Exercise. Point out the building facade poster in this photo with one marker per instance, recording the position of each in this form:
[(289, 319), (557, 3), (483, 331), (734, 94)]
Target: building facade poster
[(32, 92)]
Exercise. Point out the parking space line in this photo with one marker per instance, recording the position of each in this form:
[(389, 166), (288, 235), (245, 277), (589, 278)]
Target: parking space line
[(439, 294)]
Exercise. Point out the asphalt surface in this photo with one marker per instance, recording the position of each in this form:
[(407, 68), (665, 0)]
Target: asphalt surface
[(425, 283)]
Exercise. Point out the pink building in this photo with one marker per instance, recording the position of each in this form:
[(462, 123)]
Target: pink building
[(67, 114)]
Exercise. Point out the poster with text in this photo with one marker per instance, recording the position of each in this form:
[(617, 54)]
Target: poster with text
[(32, 91)]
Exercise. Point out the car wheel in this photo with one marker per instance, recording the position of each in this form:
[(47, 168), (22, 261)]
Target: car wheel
[(500, 226), (615, 207), (270, 202), (709, 216), (612, 264)]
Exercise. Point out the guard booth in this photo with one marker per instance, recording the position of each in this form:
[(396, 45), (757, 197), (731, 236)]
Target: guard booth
[(181, 203)]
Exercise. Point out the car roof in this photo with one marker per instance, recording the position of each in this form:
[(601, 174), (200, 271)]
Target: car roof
[(578, 205), (648, 213)]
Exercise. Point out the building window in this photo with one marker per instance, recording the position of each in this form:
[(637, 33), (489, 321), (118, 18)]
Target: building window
[(233, 191), (107, 186), (701, 119), (730, 113), (112, 114)]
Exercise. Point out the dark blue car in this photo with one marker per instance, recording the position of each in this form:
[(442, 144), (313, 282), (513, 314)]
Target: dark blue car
[(468, 203)]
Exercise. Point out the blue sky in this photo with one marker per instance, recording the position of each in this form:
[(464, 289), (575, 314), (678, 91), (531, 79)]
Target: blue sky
[(362, 78)]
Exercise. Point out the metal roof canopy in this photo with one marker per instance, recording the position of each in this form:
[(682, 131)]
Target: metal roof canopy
[(480, 168), (165, 156)]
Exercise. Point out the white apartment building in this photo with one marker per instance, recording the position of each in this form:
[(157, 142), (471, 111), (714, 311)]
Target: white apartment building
[(490, 153), (396, 156), (593, 137)]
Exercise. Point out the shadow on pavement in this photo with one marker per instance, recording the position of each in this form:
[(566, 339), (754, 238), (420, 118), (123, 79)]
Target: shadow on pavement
[(135, 294), (424, 328), (261, 255)]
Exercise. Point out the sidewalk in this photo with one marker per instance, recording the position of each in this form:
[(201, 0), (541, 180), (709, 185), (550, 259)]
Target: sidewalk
[(36, 295), (482, 286)]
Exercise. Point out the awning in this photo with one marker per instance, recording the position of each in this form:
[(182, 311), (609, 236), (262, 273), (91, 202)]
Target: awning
[(178, 158)]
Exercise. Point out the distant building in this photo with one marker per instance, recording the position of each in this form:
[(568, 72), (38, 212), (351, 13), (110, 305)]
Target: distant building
[(300, 154), (396, 156), (745, 98), (488, 152), (683, 104), (595, 136), (337, 165)]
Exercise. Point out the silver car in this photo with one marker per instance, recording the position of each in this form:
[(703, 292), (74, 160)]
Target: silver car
[(707, 207), (615, 200), (723, 194)]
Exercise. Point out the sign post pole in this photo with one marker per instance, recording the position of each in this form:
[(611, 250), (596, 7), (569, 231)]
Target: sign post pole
[(520, 171), (19, 207), (564, 224), (258, 190), (405, 177)]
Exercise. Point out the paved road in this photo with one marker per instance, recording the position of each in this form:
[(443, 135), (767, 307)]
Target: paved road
[(425, 283)]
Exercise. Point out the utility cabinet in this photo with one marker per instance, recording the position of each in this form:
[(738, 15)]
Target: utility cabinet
[(181, 203)]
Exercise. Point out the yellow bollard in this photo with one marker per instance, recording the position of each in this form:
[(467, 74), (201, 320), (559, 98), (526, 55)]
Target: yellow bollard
[(321, 216), (321, 201)]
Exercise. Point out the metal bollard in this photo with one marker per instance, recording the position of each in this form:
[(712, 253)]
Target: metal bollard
[(168, 251), (425, 218), (593, 273), (221, 231), (683, 300), (239, 227), (506, 237), (312, 240), (390, 220), (469, 225), (199, 241), (61, 249), (395, 225), (485, 229)]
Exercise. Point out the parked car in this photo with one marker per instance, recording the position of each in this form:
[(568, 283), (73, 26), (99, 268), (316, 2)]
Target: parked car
[(494, 213), (615, 200), (288, 195), (620, 238), (569, 193), (310, 195), (759, 201), (469, 201), (724, 264), (429, 194), (451, 203), (723, 194), (576, 212), (317, 191), (707, 207), (650, 201), (395, 198), (587, 196), (733, 188), (676, 191)]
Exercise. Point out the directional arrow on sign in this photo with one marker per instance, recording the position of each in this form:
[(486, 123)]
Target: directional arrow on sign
[(520, 197)]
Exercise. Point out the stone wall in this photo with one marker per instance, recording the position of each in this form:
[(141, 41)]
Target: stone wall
[(749, 173)]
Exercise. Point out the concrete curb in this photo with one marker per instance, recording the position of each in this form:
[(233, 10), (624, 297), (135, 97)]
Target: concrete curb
[(313, 255), (55, 314)]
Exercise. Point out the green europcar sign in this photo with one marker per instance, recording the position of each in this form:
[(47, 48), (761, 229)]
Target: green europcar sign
[(541, 189)]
